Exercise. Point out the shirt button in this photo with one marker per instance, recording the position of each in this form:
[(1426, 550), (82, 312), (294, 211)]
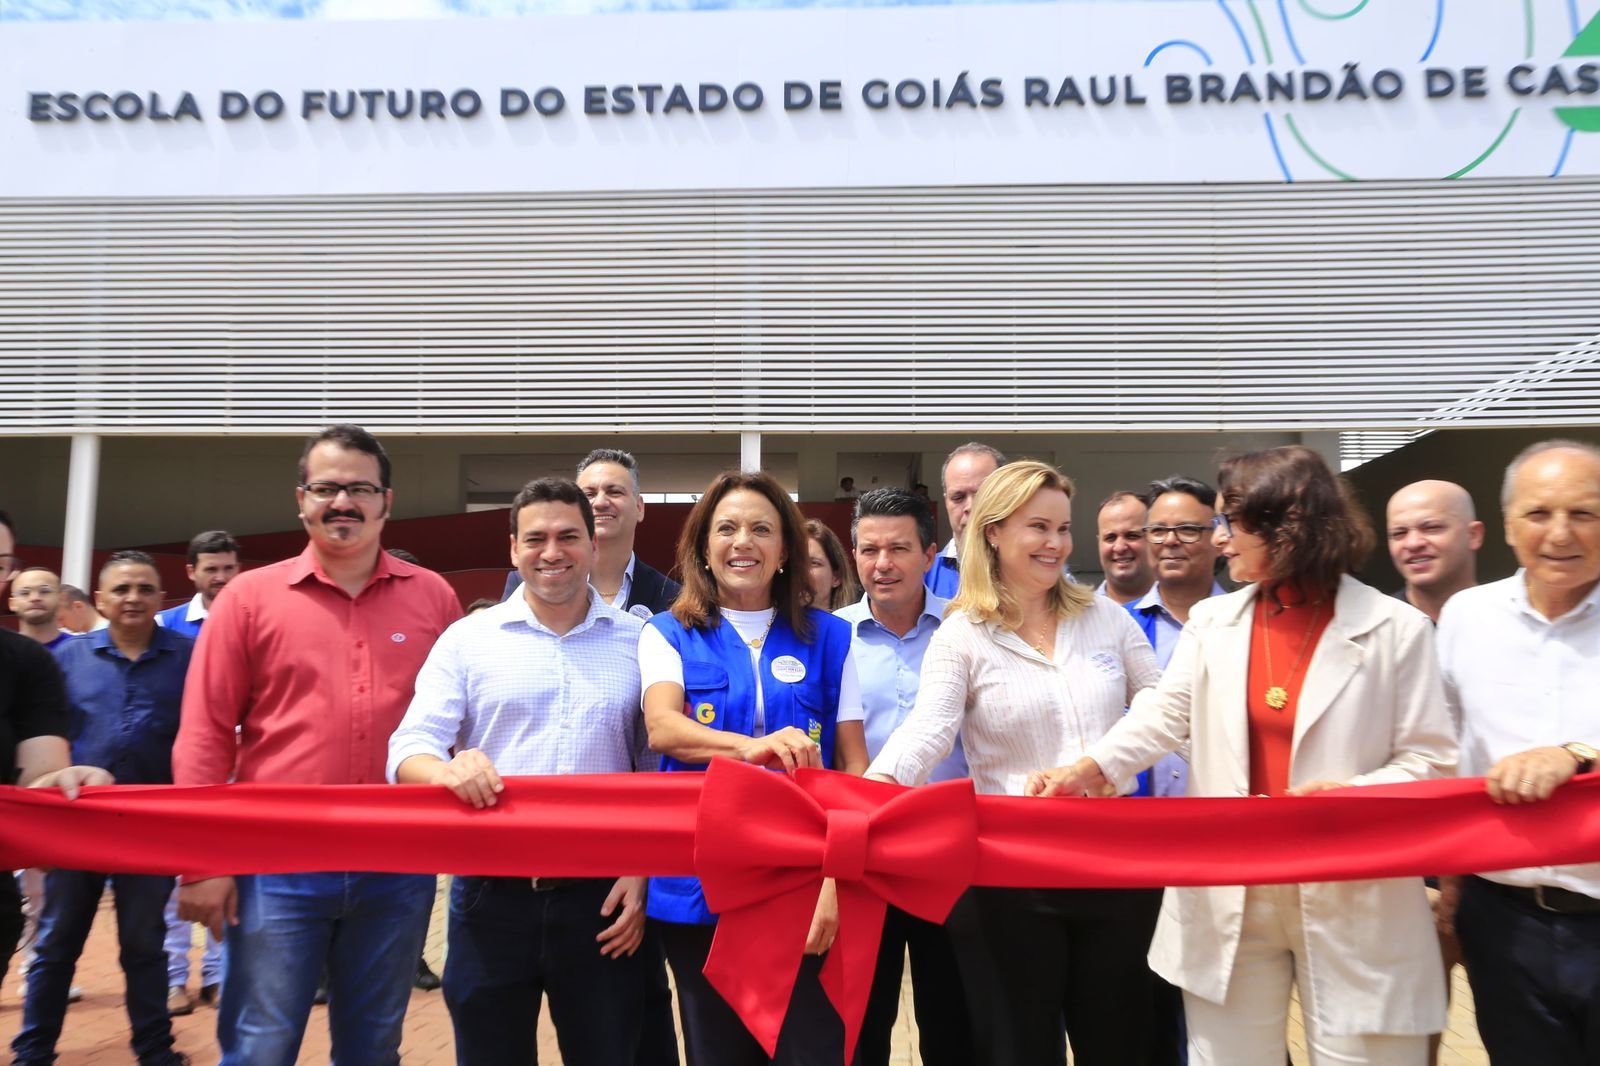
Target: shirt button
[(361, 644), (361, 688)]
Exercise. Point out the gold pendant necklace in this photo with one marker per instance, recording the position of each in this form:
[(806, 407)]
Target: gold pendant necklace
[(1277, 696), (763, 637)]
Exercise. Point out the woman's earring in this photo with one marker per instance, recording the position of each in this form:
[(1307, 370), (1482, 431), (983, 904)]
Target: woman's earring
[(780, 569)]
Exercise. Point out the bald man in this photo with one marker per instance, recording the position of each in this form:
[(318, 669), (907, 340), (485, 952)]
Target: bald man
[(1434, 537)]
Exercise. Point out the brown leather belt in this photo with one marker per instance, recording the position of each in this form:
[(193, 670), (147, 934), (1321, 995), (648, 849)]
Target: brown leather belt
[(1547, 897)]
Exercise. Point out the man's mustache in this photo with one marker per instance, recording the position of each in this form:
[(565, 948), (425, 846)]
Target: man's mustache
[(329, 516)]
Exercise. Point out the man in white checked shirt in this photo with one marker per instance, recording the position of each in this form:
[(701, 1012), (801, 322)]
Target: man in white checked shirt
[(544, 683)]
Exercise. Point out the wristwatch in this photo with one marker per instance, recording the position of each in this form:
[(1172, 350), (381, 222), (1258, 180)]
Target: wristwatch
[(1585, 754)]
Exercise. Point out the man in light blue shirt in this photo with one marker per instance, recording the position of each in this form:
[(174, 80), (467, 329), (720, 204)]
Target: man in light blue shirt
[(545, 683), (895, 541)]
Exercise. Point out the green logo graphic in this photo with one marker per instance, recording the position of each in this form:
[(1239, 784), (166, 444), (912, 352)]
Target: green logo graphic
[(1587, 43)]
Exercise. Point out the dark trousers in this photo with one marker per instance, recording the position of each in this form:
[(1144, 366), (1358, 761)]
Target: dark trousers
[(1535, 977), (713, 1035), (11, 922), (71, 898), (940, 1004), (658, 1044), (1033, 960), (1169, 1035), (510, 943)]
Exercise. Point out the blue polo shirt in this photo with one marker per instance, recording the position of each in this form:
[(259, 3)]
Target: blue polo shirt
[(185, 618), (943, 579), (890, 668), (1170, 775), (125, 712)]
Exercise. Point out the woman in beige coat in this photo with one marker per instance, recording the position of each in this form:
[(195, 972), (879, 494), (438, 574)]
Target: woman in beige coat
[(1302, 681)]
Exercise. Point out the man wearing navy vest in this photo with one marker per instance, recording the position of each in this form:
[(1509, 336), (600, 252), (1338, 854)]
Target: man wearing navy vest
[(960, 478)]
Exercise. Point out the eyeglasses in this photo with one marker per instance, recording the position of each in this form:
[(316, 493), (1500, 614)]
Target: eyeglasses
[(1185, 534), (359, 491), (24, 591), (1223, 520)]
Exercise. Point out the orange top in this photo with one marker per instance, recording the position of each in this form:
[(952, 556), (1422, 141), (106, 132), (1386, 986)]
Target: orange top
[(1298, 626)]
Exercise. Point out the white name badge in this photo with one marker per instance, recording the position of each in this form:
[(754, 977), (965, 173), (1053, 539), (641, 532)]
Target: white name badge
[(639, 610), (788, 669)]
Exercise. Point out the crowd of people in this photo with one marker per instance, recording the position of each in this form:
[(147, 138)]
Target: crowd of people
[(899, 659)]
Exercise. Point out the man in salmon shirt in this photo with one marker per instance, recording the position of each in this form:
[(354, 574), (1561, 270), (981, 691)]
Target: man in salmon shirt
[(314, 659)]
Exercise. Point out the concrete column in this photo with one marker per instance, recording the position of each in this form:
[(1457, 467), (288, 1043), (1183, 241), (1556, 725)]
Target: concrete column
[(1325, 444), (83, 488), (749, 452)]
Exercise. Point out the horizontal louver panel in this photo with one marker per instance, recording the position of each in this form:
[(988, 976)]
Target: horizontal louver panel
[(1394, 306)]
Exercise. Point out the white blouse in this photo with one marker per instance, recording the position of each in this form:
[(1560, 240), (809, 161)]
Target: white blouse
[(1016, 710)]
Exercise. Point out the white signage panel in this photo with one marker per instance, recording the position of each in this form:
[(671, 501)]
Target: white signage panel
[(1162, 91)]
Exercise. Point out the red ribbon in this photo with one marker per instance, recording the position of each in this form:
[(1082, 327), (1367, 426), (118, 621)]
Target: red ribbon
[(917, 849), (762, 843)]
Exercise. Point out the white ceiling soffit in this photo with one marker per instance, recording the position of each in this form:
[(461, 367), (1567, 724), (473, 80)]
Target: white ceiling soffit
[(1330, 306)]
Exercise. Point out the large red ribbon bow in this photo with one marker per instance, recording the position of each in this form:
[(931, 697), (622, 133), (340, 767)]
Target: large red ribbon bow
[(764, 842)]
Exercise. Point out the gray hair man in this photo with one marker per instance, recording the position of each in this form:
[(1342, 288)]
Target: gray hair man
[(962, 475), (1520, 673)]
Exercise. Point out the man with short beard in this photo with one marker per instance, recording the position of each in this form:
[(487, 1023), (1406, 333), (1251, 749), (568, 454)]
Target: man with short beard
[(36, 600), (213, 562), (312, 662)]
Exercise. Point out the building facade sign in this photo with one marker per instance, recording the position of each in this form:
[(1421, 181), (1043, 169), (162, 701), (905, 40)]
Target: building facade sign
[(1160, 91)]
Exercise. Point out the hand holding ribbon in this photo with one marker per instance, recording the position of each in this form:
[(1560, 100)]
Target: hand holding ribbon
[(764, 843)]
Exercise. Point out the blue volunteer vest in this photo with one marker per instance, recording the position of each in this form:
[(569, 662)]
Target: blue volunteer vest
[(720, 693)]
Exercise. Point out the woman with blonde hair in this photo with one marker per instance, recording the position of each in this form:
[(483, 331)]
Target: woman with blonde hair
[(833, 579), (1030, 668)]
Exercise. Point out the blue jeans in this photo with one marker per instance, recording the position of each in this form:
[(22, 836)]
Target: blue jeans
[(180, 938), (367, 928), (509, 943), (71, 898)]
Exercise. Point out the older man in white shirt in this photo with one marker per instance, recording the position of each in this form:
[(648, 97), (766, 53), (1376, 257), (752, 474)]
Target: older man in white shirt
[(544, 683), (1521, 665)]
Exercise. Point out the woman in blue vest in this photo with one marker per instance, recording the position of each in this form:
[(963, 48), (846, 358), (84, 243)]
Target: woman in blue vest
[(743, 667)]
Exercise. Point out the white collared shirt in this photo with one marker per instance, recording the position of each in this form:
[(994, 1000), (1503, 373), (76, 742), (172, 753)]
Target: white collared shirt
[(534, 701), (1015, 710), (1516, 680)]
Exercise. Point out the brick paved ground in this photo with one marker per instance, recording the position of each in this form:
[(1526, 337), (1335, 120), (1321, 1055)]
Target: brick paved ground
[(96, 1033)]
